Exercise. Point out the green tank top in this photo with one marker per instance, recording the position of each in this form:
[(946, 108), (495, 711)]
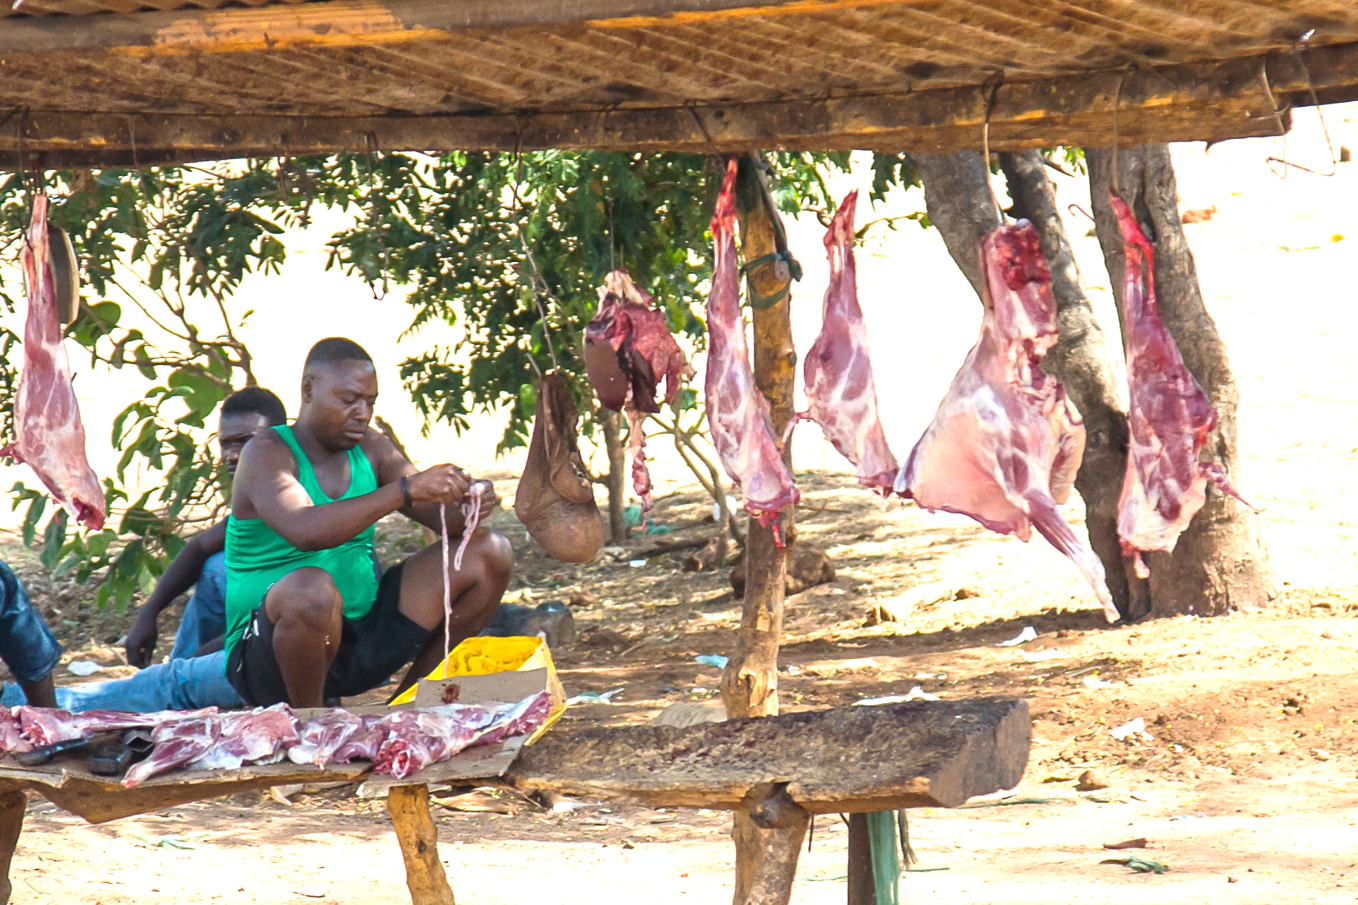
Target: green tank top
[(256, 556)]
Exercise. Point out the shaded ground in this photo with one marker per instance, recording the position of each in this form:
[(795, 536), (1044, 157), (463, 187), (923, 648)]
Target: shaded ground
[(1246, 786), (1250, 774)]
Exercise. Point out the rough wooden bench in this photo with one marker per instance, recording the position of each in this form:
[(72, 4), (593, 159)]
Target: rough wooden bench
[(780, 770)]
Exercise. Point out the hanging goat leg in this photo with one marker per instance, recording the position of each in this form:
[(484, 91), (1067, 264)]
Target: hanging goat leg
[(555, 500)]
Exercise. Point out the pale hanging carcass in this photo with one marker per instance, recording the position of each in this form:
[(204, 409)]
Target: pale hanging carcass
[(1169, 415), (1006, 443), (840, 391), (737, 412), (48, 434)]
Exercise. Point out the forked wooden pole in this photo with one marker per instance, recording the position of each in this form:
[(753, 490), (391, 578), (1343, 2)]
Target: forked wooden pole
[(772, 831), (749, 686), (409, 810)]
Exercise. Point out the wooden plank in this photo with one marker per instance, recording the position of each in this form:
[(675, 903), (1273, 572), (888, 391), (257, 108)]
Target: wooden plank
[(409, 810), (845, 760), (99, 801), (1209, 102), (350, 22)]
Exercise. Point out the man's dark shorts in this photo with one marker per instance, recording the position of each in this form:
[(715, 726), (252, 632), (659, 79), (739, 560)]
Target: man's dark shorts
[(371, 650)]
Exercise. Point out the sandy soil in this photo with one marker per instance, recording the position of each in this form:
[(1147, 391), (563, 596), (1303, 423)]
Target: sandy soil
[(1245, 784)]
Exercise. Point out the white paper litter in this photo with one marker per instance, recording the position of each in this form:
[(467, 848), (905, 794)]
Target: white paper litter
[(1096, 682), (1028, 634), (83, 667), (1133, 727)]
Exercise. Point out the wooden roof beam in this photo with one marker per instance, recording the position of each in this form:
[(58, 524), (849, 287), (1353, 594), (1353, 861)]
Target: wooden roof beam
[(1207, 102), (347, 22)]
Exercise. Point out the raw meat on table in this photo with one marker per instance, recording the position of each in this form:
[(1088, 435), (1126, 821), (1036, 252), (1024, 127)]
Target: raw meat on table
[(737, 412), (1006, 443), (363, 744), (259, 736), (414, 739), (321, 736), (629, 349), (1169, 416), (176, 744), (48, 434), (840, 392), (555, 497), (12, 740), (44, 726)]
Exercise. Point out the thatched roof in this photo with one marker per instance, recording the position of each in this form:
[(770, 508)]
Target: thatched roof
[(122, 81)]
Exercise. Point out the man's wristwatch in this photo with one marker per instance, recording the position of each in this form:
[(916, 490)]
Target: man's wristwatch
[(405, 491)]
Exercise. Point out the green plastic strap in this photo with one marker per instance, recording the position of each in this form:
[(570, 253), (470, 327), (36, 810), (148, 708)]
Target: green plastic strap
[(760, 302), (886, 858)]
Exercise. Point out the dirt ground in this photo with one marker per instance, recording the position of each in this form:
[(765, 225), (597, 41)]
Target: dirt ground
[(1244, 782)]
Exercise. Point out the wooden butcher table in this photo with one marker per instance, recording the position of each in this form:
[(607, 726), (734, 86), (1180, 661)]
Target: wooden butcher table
[(782, 770)]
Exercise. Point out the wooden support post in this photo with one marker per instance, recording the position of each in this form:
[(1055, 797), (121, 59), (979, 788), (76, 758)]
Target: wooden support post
[(12, 806), (769, 838), (862, 884), (749, 685), (409, 810)]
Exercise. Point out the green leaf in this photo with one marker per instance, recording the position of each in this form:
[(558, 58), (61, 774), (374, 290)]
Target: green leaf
[(53, 538), (36, 507)]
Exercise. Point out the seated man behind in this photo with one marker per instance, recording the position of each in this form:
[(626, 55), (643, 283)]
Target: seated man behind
[(309, 617), (27, 645), (245, 413)]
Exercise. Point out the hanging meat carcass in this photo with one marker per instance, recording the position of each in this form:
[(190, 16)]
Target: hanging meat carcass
[(737, 412), (840, 392), (1169, 416), (48, 435), (555, 499), (1006, 443), (628, 350)]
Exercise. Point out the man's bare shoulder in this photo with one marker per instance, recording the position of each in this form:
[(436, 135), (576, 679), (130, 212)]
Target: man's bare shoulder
[(386, 457), (265, 452)]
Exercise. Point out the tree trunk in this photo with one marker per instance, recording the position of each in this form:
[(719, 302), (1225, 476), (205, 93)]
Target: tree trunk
[(749, 684), (960, 203), (1081, 362), (617, 475), (1220, 562)]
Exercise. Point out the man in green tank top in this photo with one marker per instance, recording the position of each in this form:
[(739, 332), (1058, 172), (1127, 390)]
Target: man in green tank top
[(309, 614)]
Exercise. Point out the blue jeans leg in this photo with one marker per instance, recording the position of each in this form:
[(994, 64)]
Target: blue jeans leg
[(27, 645), (176, 685), (205, 613)]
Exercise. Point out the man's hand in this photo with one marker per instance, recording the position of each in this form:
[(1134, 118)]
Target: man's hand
[(141, 639), (489, 501), (445, 484)]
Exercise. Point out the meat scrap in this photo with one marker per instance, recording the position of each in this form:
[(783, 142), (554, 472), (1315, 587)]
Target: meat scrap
[(841, 395), (320, 737), (48, 434), (414, 739), (1169, 416), (737, 412), (555, 498), (629, 349), (259, 736), (363, 744), (1006, 443), (176, 743), (44, 726)]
